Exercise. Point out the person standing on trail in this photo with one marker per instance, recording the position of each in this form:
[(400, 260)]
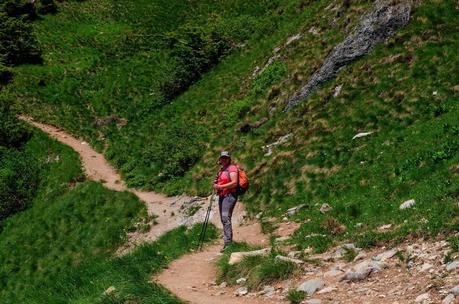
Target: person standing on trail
[(225, 184)]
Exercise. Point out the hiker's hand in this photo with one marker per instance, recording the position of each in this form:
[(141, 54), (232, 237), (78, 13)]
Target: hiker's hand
[(217, 187)]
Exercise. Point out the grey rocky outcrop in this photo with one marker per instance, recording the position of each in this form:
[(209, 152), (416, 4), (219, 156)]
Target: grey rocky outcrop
[(375, 27)]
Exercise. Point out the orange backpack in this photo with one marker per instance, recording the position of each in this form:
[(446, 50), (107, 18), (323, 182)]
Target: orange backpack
[(242, 181)]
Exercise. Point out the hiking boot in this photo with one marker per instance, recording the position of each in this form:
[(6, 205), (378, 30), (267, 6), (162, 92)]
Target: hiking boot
[(224, 248)]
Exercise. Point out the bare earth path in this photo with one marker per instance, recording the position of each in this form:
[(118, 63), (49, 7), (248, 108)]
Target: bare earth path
[(189, 276)]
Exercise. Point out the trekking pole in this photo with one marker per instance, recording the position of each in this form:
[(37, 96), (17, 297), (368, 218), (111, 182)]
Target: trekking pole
[(202, 235)]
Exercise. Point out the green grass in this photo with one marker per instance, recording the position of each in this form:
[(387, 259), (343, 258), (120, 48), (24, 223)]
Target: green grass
[(60, 249), (101, 61), (258, 270), (296, 297), (130, 275)]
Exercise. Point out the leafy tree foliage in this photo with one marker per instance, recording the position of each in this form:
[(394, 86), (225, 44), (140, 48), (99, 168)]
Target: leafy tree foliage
[(12, 132), (195, 49), (18, 43), (18, 170)]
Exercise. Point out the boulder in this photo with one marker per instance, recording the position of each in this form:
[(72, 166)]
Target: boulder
[(449, 299), (423, 298), (452, 266), (311, 286), (363, 270), (385, 255), (241, 291), (455, 290), (236, 257), (408, 204), (268, 291), (425, 267)]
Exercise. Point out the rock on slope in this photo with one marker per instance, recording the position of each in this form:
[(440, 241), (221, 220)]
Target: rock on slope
[(386, 18)]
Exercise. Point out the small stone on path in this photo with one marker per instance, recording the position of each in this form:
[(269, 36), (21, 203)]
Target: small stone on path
[(452, 266), (423, 298), (362, 255), (455, 290), (241, 291), (385, 255), (223, 285), (311, 286), (290, 260), (425, 267), (268, 291), (241, 281), (236, 257), (449, 299), (326, 290), (313, 301)]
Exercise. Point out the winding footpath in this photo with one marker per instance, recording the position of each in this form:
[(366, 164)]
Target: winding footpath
[(190, 277)]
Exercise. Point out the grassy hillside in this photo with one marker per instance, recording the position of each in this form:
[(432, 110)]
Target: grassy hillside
[(59, 249), (118, 75)]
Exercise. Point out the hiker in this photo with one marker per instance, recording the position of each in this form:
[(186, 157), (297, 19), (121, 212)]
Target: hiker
[(225, 184)]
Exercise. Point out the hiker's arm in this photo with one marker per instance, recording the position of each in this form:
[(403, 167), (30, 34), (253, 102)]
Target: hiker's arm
[(232, 184)]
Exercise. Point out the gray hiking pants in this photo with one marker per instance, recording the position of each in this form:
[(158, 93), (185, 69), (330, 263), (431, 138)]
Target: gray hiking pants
[(226, 205)]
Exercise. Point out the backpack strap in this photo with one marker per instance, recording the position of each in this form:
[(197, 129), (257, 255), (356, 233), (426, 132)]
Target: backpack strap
[(229, 175)]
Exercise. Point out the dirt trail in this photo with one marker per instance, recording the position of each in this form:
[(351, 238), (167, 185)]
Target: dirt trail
[(169, 213), (193, 276)]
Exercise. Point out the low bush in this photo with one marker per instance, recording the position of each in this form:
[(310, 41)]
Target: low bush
[(19, 45)]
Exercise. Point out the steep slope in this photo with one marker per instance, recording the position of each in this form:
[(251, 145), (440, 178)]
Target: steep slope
[(166, 213), (380, 133)]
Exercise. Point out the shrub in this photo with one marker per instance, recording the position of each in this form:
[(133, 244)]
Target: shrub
[(5, 74), (19, 178), (13, 134), (175, 150), (18, 45), (195, 50), (18, 8), (296, 297), (44, 7)]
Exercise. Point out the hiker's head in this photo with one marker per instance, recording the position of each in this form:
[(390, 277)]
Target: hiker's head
[(225, 158)]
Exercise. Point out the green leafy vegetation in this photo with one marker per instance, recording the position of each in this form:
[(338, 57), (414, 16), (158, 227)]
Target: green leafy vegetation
[(160, 87), (19, 171), (60, 248), (296, 297), (258, 270)]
